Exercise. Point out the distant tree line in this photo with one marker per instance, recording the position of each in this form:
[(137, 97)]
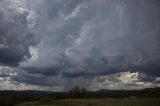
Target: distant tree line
[(10, 98)]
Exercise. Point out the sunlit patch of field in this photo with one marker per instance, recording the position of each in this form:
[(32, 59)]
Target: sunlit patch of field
[(97, 102)]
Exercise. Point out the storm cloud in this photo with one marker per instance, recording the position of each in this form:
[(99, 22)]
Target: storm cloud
[(61, 41), (15, 38), (98, 37)]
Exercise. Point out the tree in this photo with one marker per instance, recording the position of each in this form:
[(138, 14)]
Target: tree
[(75, 92)]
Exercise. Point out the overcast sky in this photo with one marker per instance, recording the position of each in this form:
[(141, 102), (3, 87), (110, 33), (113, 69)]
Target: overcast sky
[(94, 44)]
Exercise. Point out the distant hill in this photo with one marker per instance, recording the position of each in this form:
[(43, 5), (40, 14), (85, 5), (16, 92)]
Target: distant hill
[(146, 89), (26, 91), (37, 92), (152, 89)]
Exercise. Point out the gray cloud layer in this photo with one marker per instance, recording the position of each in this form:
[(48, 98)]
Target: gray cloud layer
[(79, 38)]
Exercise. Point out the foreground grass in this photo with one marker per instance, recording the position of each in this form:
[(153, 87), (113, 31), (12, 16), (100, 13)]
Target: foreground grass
[(97, 102)]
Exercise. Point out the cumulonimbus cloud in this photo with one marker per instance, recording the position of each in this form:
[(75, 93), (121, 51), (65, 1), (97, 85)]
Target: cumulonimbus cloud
[(15, 36), (97, 37), (80, 38)]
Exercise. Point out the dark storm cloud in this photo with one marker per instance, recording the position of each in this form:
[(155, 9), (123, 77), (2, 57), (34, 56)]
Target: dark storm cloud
[(15, 38), (145, 78), (50, 41), (96, 37), (34, 79)]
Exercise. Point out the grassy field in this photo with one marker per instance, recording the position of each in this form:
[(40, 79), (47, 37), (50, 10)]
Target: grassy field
[(97, 102)]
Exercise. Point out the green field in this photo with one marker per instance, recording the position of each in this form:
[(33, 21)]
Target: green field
[(96, 102)]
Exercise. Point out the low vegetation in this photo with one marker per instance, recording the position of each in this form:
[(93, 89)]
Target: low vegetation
[(80, 97), (96, 102)]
